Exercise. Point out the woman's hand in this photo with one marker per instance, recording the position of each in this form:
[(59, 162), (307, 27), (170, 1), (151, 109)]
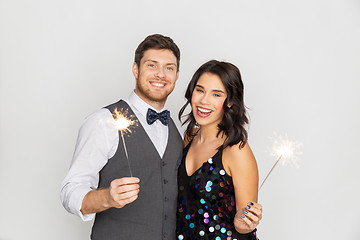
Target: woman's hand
[(248, 218)]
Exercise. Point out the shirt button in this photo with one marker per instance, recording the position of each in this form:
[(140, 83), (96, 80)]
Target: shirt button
[(166, 199), (163, 163), (165, 181), (165, 217)]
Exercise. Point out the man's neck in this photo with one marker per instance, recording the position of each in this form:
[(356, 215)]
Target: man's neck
[(158, 105)]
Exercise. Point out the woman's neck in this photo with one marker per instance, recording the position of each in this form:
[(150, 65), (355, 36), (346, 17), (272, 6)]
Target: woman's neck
[(208, 134)]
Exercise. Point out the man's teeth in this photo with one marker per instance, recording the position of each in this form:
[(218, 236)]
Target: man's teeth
[(158, 84), (204, 110)]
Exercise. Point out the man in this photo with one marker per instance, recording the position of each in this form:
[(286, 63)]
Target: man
[(98, 180)]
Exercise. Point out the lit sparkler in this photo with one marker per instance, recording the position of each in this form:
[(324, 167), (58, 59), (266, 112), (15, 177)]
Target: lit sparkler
[(123, 124), (285, 150)]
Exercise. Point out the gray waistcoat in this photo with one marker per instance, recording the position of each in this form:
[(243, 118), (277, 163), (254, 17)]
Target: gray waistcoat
[(153, 214)]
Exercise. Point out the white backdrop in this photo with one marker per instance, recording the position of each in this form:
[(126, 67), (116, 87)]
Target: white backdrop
[(300, 61)]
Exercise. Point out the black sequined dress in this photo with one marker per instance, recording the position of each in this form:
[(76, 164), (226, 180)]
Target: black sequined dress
[(206, 203)]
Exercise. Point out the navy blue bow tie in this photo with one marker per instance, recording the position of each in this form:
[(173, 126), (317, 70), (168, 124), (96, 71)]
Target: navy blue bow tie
[(152, 116)]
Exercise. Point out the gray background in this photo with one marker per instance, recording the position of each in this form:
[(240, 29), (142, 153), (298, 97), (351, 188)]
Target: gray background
[(300, 61)]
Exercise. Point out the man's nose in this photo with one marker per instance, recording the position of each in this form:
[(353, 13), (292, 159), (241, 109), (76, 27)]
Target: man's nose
[(160, 72)]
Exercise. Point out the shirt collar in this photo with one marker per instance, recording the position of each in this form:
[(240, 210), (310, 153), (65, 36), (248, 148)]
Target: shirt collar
[(140, 104)]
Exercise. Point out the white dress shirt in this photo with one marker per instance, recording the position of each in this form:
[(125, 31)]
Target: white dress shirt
[(97, 142)]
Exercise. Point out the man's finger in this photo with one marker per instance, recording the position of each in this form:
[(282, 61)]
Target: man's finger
[(124, 181)]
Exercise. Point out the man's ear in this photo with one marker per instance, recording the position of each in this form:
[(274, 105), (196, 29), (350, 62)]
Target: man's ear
[(135, 70), (177, 75)]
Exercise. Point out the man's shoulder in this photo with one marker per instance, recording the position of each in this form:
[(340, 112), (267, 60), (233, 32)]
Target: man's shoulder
[(120, 102), (97, 116)]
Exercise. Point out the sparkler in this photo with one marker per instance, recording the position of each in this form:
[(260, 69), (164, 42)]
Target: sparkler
[(123, 124), (285, 150)]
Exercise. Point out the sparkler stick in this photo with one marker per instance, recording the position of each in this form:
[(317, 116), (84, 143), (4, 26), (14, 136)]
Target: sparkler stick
[(270, 171), (123, 124), (285, 150), (127, 156)]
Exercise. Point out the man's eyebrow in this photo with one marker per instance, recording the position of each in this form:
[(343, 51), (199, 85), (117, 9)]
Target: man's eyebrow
[(154, 61), (150, 60)]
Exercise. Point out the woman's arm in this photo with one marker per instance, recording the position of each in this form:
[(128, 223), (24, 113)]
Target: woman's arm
[(241, 165)]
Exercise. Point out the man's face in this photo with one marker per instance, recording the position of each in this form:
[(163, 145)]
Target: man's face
[(156, 76)]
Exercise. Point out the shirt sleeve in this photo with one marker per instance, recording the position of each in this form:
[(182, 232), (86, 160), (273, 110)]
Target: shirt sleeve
[(95, 144)]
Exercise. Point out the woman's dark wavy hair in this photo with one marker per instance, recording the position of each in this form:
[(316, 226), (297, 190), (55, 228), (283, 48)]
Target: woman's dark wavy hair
[(234, 119)]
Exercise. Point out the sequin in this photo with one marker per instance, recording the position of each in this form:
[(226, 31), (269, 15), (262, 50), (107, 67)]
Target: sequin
[(206, 203)]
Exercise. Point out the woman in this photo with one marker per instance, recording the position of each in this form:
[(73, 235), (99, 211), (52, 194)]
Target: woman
[(218, 176)]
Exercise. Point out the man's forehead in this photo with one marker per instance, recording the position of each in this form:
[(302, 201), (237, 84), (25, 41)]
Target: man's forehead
[(159, 55)]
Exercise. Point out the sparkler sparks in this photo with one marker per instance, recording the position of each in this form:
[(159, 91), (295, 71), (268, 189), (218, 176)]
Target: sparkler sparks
[(123, 124), (284, 150)]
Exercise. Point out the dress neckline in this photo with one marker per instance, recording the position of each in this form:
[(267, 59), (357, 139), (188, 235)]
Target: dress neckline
[(204, 163)]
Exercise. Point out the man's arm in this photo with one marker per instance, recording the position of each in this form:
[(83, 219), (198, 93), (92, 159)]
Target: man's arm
[(97, 142)]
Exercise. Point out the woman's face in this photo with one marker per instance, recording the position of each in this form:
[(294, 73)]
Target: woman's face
[(207, 100)]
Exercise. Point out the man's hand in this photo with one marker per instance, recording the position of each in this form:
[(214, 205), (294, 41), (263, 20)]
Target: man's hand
[(123, 191), (248, 218)]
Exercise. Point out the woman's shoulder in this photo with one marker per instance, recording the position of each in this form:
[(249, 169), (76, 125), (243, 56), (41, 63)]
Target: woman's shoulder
[(237, 156), (238, 150)]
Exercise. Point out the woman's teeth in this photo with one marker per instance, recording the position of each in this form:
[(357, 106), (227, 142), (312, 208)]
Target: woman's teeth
[(202, 110)]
